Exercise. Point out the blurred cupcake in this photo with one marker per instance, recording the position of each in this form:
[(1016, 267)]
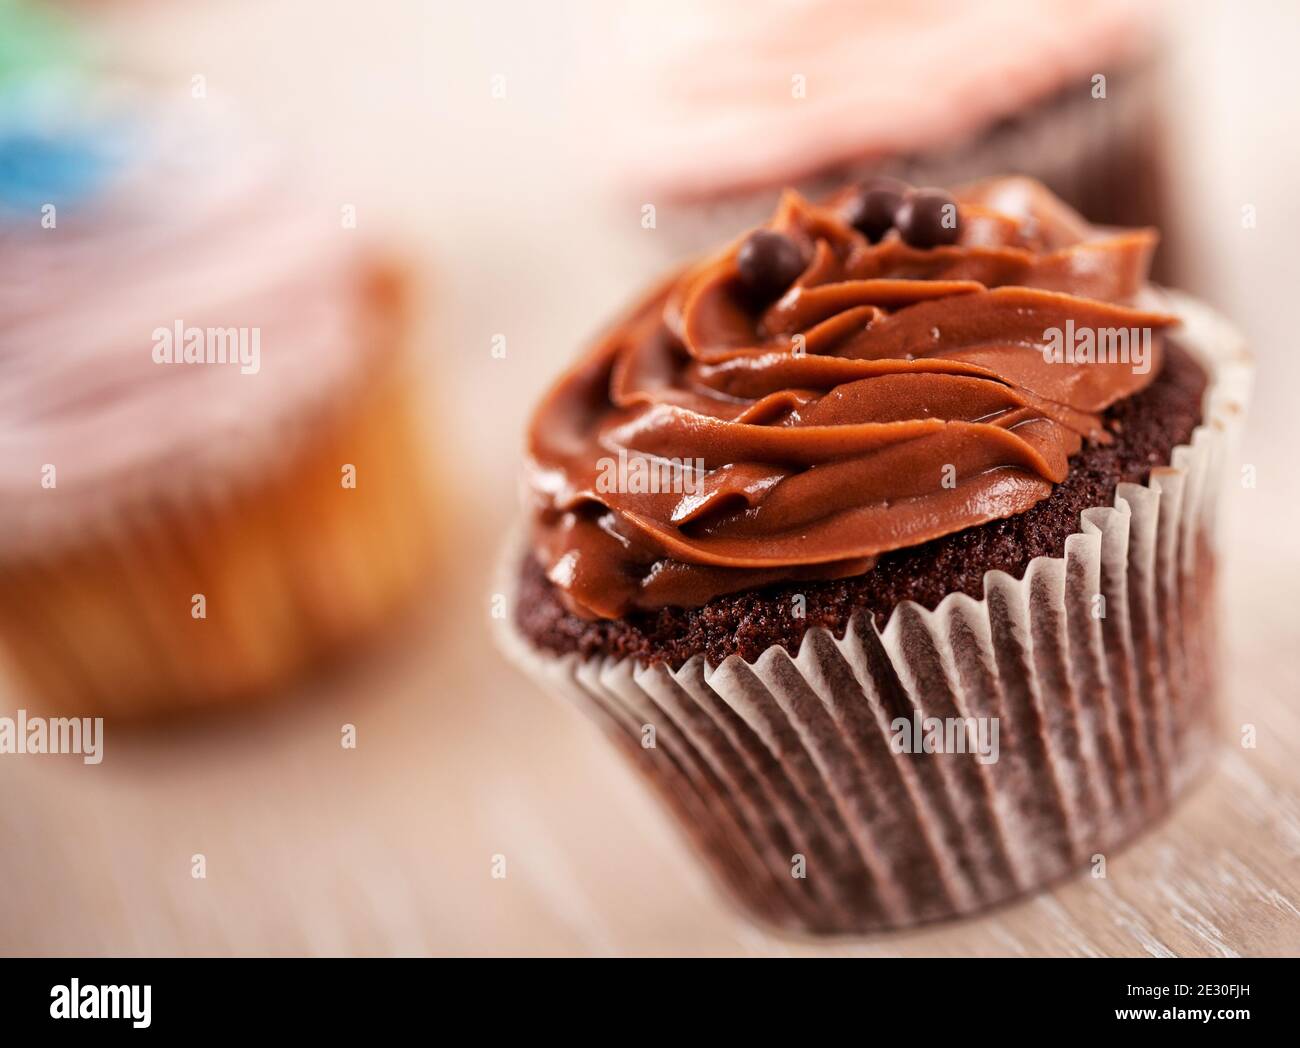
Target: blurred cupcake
[(889, 557), (722, 104), (209, 478)]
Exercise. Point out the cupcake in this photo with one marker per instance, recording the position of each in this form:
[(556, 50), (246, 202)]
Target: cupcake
[(888, 554), (209, 478), (721, 104)]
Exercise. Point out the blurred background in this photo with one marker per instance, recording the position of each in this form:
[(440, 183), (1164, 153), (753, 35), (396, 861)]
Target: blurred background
[(505, 153)]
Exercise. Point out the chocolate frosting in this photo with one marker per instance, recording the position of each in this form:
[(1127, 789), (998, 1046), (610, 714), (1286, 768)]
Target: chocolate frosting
[(890, 396)]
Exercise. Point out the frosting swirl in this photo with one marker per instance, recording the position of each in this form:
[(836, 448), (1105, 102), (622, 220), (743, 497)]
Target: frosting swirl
[(890, 396)]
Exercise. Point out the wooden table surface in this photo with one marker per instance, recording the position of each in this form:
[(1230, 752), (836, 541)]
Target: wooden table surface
[(389, 848)]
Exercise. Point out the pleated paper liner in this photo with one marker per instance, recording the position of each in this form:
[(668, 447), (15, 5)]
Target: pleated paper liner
[(781, 770), (293, 567)]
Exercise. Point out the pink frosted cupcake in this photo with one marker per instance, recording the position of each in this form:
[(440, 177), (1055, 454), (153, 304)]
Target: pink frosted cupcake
[(722, 104), (209, 479)]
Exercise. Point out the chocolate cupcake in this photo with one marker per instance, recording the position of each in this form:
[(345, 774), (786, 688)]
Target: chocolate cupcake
[(889, 555)]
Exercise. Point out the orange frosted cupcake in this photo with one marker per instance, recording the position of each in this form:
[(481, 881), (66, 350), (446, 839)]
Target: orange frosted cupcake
[(209, 479)]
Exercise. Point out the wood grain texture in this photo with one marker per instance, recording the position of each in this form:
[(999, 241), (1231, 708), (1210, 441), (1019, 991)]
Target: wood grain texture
[(389, 848)]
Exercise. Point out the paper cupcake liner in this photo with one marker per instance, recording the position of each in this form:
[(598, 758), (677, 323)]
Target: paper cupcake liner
[(781, 770)]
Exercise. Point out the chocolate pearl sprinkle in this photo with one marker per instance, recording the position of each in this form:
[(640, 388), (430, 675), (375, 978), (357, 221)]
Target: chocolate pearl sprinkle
[(768, 263), (871, 210), (928, 218)]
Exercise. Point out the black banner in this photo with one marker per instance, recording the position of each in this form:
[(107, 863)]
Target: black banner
[(144, 997)]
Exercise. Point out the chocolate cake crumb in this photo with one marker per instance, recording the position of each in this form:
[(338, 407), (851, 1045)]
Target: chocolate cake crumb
[(1146, 427)]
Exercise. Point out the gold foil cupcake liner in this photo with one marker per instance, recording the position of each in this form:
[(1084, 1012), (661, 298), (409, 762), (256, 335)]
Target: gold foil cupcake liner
[(787, 772)]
